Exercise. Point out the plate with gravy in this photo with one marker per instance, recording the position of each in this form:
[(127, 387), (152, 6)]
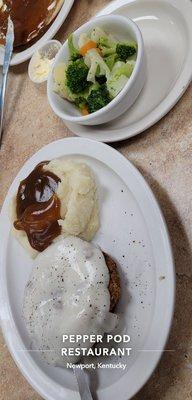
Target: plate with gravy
[(35, 22)]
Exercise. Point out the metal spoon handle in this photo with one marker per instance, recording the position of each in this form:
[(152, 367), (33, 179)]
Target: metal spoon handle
[(83, 386), (6, 64)]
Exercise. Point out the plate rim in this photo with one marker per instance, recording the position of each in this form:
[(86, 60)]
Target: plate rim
[(177, 91), (19, 58), (86, 147)]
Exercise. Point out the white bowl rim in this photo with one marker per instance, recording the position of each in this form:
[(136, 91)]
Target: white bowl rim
[(120, 96)]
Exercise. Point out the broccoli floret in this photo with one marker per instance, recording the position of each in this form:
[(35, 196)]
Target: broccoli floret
[(76, 74), (74, 54), (101, 79), (60, 83), (98, 99), (125, 50), (81, 102)]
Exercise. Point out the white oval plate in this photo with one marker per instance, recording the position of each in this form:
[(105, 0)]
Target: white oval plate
[(133, 231), (167, 32), (24, 55)]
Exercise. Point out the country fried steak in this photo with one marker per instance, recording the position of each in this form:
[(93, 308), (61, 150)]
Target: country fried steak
[(114, 283)]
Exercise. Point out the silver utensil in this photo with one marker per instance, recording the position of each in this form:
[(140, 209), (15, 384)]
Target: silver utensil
[(83, 386), (6, 64)]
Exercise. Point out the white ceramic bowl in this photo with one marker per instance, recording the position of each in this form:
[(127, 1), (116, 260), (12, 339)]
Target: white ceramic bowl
[(122, 28)]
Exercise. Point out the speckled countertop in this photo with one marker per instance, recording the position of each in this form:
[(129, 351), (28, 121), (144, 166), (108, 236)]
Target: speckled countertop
[(163, 154)]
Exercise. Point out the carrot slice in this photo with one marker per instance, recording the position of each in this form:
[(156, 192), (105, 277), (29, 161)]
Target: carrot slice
[(85, 111), (88, 46)]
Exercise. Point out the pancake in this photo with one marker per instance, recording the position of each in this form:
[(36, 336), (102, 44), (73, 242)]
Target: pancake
[(30, 18)]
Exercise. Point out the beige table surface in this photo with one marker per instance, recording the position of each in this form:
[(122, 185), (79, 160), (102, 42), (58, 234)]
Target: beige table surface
[(163, 154)]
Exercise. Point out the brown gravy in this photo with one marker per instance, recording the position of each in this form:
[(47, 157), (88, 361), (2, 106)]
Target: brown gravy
[(30, 17), (38, 207)]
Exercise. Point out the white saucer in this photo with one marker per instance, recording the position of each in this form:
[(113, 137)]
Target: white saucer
[(20, 57), (134, 233), (167, 31)]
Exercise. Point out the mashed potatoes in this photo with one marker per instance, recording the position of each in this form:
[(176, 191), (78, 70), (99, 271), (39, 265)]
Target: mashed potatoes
[(77, 192)]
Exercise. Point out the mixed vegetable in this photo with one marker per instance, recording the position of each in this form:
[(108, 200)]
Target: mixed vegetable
[(98, 70)]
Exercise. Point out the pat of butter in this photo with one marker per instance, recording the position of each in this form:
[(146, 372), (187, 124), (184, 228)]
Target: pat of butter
[(40, 67)]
